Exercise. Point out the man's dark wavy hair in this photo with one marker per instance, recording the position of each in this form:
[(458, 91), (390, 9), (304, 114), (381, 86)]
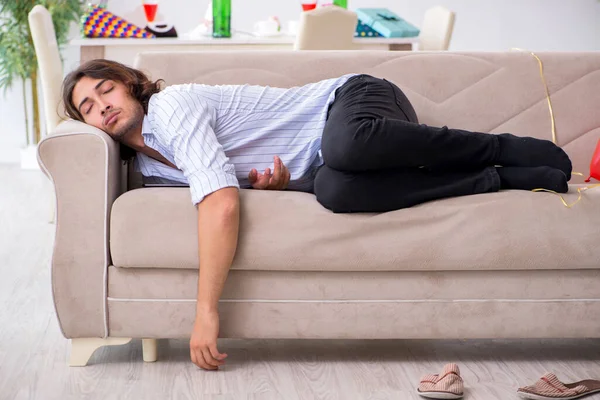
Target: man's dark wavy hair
[(140, 87)]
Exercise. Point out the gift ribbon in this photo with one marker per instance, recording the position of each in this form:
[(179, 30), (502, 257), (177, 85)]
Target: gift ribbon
[(553, 123), (388, 17)]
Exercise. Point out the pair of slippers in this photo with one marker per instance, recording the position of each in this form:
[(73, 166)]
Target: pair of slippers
[(449, 385)]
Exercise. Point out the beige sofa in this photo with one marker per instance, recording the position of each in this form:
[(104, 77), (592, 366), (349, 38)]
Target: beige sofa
[(512, 264)]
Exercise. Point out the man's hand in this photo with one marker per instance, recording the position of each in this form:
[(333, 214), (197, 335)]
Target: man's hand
[(203, 344), (278, 181)]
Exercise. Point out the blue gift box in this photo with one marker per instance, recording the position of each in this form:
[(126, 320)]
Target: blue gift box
[(386, 22)]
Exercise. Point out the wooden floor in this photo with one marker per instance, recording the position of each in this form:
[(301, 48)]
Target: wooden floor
[(33, 353)]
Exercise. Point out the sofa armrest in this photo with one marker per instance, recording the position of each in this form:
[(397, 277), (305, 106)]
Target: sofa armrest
[(84, 166)]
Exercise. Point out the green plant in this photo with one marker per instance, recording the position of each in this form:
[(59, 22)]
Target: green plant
[(17, 54)]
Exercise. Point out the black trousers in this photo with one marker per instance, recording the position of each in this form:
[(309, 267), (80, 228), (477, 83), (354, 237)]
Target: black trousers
[(378, 158)]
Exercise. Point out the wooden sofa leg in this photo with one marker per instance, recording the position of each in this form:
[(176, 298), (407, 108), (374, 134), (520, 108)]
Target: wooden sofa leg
[(149, 348), (83, 348)]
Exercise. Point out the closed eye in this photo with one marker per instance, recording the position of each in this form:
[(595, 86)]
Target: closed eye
[(90, 108)]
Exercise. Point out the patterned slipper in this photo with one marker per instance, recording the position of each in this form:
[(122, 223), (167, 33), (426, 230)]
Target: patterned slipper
[(548, 387), (447, 385)]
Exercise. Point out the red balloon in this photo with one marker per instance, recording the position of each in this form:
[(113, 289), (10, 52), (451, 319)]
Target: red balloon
[(595, 164)]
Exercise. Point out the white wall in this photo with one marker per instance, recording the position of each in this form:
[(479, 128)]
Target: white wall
[(481, 25)]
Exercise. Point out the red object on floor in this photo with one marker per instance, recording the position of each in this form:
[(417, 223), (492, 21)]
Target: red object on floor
[(595, 164)]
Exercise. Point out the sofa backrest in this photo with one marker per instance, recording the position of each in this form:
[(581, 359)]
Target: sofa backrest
[(481, 91)]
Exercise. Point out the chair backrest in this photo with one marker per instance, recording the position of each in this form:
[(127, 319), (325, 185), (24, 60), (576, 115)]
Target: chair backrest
[(437, 28), (326, 28), (49, 64)]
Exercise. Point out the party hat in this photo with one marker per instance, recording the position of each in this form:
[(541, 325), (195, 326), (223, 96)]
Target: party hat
[(99, 23)]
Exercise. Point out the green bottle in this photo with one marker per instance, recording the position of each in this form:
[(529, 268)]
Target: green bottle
[(221, 10), (341, 3)]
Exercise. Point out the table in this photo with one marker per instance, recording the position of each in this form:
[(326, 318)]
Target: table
[(125, 50)]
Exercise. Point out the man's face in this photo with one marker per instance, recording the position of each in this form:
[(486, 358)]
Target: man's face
[(107, 105)]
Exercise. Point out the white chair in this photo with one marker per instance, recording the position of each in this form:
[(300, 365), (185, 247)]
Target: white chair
[(49, 64), (326, 28), (436, 30)]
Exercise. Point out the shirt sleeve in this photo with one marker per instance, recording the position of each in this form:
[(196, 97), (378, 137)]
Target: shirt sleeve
[(184, 123)]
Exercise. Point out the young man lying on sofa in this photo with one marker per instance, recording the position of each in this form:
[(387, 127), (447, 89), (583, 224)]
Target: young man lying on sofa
[(354, 141)]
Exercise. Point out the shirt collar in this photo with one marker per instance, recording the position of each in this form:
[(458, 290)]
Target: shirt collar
[(146, 127)]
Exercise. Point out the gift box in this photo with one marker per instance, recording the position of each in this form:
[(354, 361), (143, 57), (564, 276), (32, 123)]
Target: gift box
[(363, 30), (386, 23), (99, 23)]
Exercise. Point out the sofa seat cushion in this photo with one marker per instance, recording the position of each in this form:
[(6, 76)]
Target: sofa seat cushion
[(284, 230)]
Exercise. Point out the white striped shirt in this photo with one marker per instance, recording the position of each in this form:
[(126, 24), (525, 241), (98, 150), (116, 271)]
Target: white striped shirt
[(216, 134)]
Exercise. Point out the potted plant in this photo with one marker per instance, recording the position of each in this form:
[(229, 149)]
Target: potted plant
[(18, 62)]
